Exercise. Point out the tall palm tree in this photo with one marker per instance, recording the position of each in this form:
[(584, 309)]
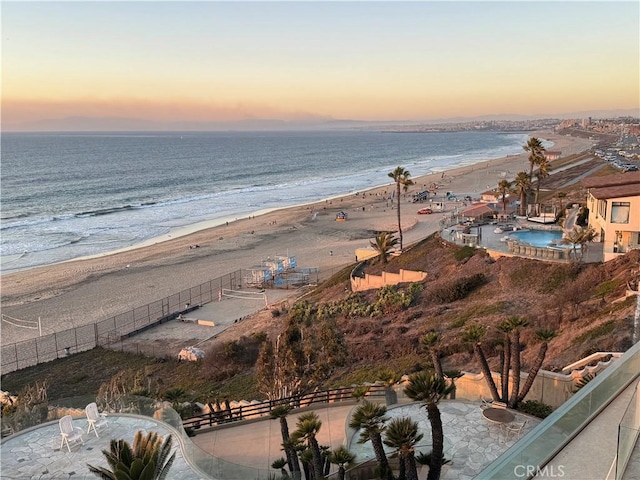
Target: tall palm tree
[(429, 389), (280, 412), (402, 435), (545, 336), (536, 151), (370, 419), (342, 457), (149, 459), (308, 427), (541, 174), (429, 342), (383, 244), (516, 323), (402, 179), (474, 334), (522, 184), (504, 189)]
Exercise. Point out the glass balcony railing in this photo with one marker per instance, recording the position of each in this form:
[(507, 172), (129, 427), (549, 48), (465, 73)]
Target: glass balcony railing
[(548, 438), (628, 432)]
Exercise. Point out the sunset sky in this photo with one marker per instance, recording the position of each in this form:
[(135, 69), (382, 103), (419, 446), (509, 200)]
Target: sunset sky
[(386, 60)]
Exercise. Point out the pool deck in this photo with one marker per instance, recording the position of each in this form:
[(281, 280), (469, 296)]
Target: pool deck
[(494, 241)]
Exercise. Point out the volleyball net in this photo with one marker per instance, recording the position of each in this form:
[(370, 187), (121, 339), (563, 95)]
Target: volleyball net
[(17, 322), (243, 295)]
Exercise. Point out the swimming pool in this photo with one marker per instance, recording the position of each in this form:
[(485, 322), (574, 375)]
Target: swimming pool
[(537, 238)]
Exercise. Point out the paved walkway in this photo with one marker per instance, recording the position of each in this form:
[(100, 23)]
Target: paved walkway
[(36, 454), (470, 440)]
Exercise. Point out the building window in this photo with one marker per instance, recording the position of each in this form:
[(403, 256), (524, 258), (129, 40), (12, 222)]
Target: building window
[(620, 212), (602, 208)]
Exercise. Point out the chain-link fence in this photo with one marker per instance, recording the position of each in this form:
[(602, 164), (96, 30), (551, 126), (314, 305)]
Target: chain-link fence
[(42, 349)]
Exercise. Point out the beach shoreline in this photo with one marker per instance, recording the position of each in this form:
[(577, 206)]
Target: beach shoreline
[(82, 291)]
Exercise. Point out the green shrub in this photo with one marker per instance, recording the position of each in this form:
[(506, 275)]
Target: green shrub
[(535, 408), (596, 332), (464, 252), (457, 289), (606, 288)]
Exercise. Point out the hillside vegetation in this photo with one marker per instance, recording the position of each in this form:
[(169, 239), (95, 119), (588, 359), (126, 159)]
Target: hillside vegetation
[(378, 332)]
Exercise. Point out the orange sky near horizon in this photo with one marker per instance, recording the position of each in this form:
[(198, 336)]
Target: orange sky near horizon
[(214, 61)]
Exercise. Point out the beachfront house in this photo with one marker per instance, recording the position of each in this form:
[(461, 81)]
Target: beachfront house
[(614, 212)]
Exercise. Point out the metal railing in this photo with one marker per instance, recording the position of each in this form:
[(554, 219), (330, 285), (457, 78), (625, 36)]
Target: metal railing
[(224, 415)]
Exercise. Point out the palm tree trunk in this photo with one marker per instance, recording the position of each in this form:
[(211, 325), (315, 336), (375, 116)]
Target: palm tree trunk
[(317, 458), (402, 468), (437, 440), (537, 364), (486, 371), (381, 456), (399, 224), (515, 362), (523, 203), (292, 457), (410, 467), (505, 370), (437, 365), (341, 472)]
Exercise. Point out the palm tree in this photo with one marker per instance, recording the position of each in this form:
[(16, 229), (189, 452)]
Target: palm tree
[(383, 244), (429, 389), (149, 458), (473, 334), (280, 412), (429, 341), (522, 184), (279, 465), (541, 174), (504, 189), (536, 151), (402, 435), (308, 427), (579, 236), (561, 196), (401, 177), (341, 457), (370, 418), (545, 336)]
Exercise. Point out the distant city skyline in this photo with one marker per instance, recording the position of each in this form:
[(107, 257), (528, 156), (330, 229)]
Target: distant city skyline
[(301, 62)]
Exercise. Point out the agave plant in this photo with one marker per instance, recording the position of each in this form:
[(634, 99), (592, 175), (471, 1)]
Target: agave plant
[(149, 459)]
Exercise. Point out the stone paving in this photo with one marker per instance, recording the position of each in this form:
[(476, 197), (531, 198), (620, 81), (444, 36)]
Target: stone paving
[(471, 442), (36, 454)]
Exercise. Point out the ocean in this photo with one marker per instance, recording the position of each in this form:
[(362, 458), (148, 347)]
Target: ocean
[(66, 195)]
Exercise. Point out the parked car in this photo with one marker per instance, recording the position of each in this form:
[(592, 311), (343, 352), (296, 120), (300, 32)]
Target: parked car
[(425, 211)]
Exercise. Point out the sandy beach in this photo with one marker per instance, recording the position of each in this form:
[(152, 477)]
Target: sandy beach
[(84, 291)]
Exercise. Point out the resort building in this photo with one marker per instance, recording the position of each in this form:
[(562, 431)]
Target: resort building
[(614, 212)]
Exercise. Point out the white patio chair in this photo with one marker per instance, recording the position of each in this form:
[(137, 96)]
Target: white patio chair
[(95, 419), (514, 429), (485, 403), (69, 433)]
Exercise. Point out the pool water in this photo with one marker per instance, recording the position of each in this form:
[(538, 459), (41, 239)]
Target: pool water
[(537, 238)]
